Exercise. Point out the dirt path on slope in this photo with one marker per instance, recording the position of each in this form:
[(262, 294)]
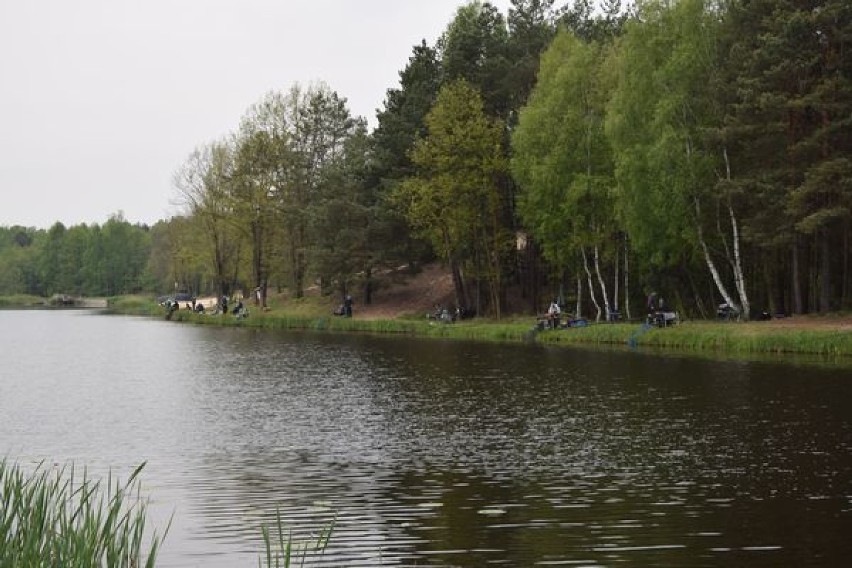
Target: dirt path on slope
[(410, 294)]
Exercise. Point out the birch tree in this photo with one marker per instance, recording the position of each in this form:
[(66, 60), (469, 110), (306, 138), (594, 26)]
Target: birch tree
[(667, 165), (563, 161)]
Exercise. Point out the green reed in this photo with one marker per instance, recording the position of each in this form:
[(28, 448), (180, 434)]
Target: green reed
[(52, 517), (282, 551)]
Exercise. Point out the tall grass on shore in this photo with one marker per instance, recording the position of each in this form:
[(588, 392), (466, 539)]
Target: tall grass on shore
[(50, 517), (736, 338)]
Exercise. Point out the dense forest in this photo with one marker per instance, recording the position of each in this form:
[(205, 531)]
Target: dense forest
[(592, 152)]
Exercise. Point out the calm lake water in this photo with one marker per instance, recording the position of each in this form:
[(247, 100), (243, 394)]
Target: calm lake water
[(433, 453)]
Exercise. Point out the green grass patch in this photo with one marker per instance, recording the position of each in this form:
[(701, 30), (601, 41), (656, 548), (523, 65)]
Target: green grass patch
[(726, 337), (21, 301), (134, 305)]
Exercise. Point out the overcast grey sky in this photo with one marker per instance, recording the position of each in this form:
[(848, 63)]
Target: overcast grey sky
[(102, 100)]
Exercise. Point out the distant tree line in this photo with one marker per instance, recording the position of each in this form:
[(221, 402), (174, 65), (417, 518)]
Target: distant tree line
[(92, 260), (595, 153)]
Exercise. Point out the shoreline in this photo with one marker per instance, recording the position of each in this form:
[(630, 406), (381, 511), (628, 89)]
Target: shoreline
[(826, 339), (824, 336)]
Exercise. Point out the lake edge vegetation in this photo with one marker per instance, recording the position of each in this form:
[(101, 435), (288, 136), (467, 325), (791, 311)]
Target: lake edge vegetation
[(592, 153), (54, 516), (824, 338)]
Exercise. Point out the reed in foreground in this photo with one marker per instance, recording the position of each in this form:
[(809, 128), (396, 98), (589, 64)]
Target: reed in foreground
[(282, 551), (50, 517)]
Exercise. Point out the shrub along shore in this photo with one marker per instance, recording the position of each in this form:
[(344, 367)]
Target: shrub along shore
[(823, 336)]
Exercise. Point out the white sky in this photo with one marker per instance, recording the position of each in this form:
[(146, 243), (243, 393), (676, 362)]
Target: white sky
[(102, 100)]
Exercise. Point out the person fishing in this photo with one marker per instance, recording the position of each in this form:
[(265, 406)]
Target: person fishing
[(553, 313)]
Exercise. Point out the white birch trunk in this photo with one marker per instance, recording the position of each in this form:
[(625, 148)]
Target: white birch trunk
[(710, 265), (601, 283), (720, 286), (739, 277), (591, 286)]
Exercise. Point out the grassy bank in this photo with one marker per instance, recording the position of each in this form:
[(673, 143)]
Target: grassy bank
[(728, 337), (24, 301), (21, 301), (705, 337)]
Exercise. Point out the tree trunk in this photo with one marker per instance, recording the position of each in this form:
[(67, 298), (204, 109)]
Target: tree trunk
[(813, 276), (715, 274), (257, 260), (720, 286), (844, 290), (591, 286), (797, 287), (298, 276), (607, 309), (368, 286), (615, 279), (492, 275), (530, 274), (579, 311), (626, 281), (739, 277), (458, 284), (299, 261), (221, 278), (825, 272)]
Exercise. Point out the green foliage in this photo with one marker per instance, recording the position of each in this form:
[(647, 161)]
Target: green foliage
[(136, 305), (400, 122), (342, 220), (20, 300), (689, 130), (531, 29), (454, 201), (51, 517), (201, 251), (657, 115), (789, 92), (80, 260), (297, 158), (281, 551), (562, 159), (19, 261), (594, 21), (474, 48)]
